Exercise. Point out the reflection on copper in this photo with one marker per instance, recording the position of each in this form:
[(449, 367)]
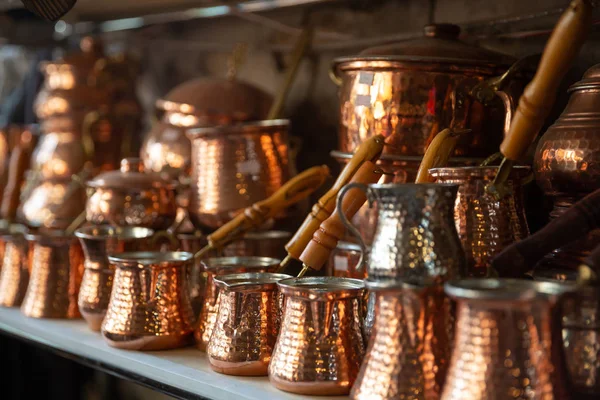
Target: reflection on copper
[(14, 275)]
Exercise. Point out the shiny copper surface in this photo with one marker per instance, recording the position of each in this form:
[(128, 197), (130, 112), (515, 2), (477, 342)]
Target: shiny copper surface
[(506, 339), (14, 275), (96, 285), (235, 166), (320, 345), (197, 276), (247, 324), (59, 154), (265, 244), (130, 197), (344, 260), (567, 161), (56, 265), (149, 306), (485, 224), (410, 345), (224, 266)]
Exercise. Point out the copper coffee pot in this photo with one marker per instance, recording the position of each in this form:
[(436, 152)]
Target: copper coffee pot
[(14, 274)]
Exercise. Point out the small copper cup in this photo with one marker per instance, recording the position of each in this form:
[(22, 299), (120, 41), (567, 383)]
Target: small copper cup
[(14, 276), (264, 244), (320, 344), (56, 262), (247, 323), (149, 307), (192, 243), (224, 266), (98, 242)]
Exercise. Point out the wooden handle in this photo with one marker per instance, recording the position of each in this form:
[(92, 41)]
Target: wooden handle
[(576, 222), (539, 95), (370, 150), (18, 164), (296, 189), (332, 230), (438, 153)]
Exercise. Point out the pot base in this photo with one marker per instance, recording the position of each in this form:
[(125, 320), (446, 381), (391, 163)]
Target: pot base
[(93, 319), (248, 368), (311, 388), (146, 343)]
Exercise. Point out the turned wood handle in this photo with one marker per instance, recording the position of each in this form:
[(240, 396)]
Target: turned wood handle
[(332, 230), (296, 189), (576, 222), (539, 95), (18, 165), (369, 150), (438, 153)]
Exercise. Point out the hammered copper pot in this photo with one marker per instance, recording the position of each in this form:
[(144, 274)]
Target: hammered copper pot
[(320, 345), (14, 276), (235, 166), (508, 342), (218, 266), (56, 265), (485, 224), (197, 276), (567, 162), (96, 285), (149, 307), (247, 324)]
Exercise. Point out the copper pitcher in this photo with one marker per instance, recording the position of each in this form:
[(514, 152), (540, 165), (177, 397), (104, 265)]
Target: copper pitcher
[(14, 275), (247, 323), (410, 345), (508, 342), (320, 344), (235, 166), (223, 266), (149, 307), (56, 264), (96, 285), (485, 224)]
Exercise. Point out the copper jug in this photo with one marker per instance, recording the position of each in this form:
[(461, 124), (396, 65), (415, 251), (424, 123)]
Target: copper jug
[(410, 345), (508, 342), (567, 162), (149, 307), (320, 346), (14, 275), (247, 323), (235, 166), (56, 263), (96, 285), (223, 266), (485, 224)]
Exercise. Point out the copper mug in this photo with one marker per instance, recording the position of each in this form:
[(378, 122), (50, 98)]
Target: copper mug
[(320, 344), (14, 275), (410, 345), (247, 323), (98, 242), (223, 266), (149, 307), (508, 342), (486, 225), (56, 262)]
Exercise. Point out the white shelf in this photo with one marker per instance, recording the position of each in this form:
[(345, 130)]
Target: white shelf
[(184, 373)]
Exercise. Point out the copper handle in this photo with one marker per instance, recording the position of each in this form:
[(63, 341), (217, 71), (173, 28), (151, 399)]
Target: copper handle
[(369, 150), (19, 162), (539, 95), (296, 189), (332, 230), (438, 153)]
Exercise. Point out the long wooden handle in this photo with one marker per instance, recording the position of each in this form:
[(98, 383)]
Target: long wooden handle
[(369, 150), (332, 230), (438, 153), (296, 189), (539, 95)]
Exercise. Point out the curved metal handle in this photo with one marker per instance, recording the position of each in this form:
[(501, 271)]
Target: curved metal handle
[(173, 241), (348, 224), (333, 75)]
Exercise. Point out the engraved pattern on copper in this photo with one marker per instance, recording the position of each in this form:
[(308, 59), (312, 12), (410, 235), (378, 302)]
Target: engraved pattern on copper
[(485, 224), (14, 275), (320, 344)]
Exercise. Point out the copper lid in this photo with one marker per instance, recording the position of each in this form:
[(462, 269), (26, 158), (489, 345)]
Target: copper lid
[(131, 176), (440, 44), (234, 99), (590, 80)]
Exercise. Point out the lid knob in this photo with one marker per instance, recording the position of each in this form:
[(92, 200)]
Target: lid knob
[(132, 164), (443, 31)]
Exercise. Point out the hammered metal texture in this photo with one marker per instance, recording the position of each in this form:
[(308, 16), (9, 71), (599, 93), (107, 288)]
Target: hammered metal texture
[(149, 307), (485, 224), (410, 345), (344, 260), (320, 344), (56, 264), (234, 168), (14, 276), (197, 276)]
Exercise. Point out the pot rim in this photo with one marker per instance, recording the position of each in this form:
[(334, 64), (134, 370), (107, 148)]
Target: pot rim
[(348, 246), (103, 232), (214, 263), (343, 155), (250, 281), (48, 236), (417, 63), (148, 258), (271, 234), (413, 186), (400, 284), (12, 231), (515, 290), (239, 128), (477, 170), (322, 288)]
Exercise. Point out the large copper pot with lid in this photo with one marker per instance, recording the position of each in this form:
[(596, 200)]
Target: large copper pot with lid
[(200, 102), (409, 91)]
